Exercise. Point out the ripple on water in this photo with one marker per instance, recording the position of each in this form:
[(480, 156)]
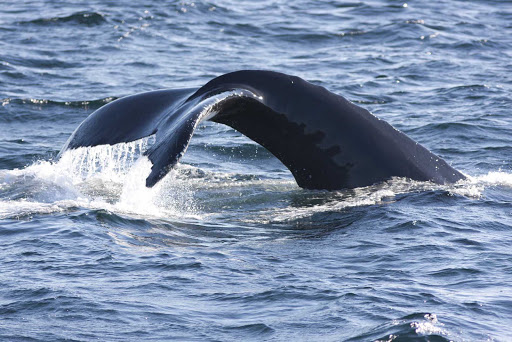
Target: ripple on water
[(228, 247)]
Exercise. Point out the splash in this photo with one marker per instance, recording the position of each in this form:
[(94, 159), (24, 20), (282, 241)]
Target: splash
[(113, 178), (104, 177), (429, 326)]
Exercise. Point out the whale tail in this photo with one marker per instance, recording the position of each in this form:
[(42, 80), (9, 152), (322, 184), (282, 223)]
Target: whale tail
[(325, 141)]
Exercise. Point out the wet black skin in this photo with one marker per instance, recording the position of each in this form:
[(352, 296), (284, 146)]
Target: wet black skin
[(326, 141)]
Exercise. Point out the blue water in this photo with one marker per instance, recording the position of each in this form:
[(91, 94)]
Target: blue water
[(227, 247)]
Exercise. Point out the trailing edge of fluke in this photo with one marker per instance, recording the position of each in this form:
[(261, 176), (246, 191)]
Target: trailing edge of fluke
[(326, 141)]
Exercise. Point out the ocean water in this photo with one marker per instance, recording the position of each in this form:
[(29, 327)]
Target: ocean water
[(227, 247)]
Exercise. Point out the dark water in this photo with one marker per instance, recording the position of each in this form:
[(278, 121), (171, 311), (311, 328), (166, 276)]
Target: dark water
[(227, 247)]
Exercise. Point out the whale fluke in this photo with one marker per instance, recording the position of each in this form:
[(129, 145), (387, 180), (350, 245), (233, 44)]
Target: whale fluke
[(326, 141)]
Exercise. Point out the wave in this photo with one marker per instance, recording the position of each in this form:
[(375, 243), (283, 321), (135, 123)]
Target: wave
[(46, 102), (417, 327), (81, 18), (47, 110)]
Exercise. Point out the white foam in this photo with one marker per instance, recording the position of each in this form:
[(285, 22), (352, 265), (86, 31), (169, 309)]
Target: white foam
[(494, 178), (16, 209), (474, 186), (430, 326)]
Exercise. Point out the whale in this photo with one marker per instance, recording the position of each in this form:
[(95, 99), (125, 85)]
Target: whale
[(326, 141)]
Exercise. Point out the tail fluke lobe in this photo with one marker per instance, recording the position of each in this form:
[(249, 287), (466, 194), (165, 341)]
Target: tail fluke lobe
[(126, 119)]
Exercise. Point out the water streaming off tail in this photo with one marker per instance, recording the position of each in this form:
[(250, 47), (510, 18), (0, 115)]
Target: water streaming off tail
[(105, 161)]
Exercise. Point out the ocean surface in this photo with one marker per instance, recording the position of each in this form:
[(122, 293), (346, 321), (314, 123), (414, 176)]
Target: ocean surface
[(227, 247)]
